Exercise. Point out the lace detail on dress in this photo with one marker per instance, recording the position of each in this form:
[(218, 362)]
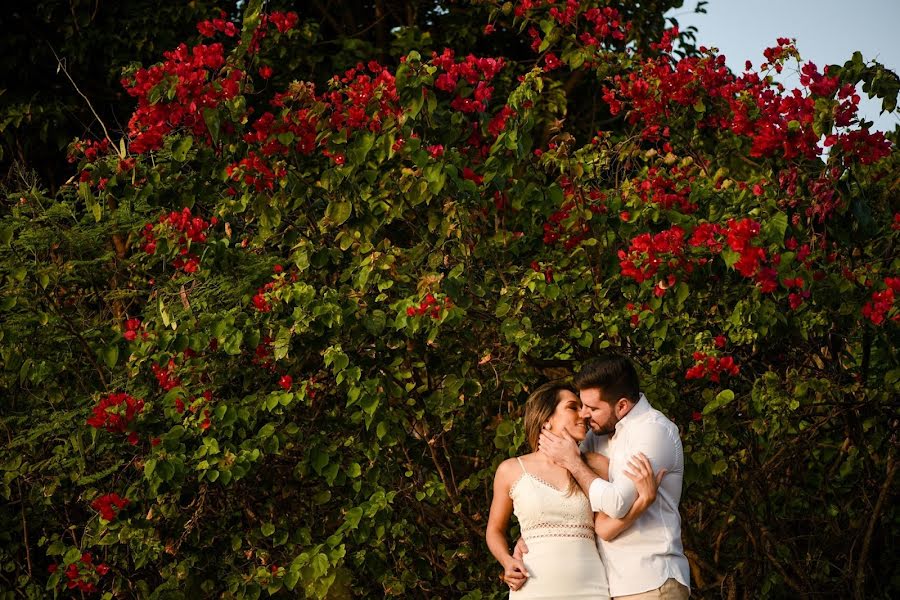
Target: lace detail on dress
[(547, 529), (548, 484)]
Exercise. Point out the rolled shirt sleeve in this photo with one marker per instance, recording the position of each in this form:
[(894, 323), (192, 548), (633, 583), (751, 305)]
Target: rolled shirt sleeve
[(615, 497)]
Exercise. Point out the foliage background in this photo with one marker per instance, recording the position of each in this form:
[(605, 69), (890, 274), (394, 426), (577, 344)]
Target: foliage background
[(367, 472)]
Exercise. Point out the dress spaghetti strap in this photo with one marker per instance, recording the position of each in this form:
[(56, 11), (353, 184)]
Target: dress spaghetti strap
[(521, 465)]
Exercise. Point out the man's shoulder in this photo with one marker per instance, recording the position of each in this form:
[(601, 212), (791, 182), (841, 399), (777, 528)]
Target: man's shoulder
[(594, 442), (653, 421)]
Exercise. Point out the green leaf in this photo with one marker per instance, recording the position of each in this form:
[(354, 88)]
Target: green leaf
[(211, 118), (180, 150), (774, 228), (72, 555), (267, 529), (722, 398), (111, 355), (358, 150), (291, 578), (681, 293), (375, 322), (719, 467), (337, 212), (90, 201), (233, 341)]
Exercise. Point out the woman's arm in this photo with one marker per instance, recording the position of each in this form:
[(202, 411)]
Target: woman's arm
[(608, 528), (514, 571)]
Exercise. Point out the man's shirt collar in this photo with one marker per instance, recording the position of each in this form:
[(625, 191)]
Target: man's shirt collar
[(642, 407)]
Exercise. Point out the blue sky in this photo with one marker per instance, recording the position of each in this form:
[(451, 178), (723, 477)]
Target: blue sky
[(827, 32)]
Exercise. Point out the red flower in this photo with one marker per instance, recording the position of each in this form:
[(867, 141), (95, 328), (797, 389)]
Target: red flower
[(286, 382), (115, 412), (696, 416), (551, 62), (265, 72), (720, 341), (109, 505)]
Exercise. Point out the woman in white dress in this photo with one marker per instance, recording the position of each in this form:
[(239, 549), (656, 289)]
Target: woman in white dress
[(554, 515)]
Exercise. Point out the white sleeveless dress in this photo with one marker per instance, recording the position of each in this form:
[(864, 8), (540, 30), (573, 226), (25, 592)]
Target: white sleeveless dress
[(562, 558)]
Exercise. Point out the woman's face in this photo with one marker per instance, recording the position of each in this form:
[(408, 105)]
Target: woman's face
[(567, 416)]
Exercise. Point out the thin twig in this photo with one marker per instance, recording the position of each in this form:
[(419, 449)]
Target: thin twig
[(860, 579), (62, 67)]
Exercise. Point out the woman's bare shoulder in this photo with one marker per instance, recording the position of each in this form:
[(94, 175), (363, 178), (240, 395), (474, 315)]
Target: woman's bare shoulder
[(509, 470)]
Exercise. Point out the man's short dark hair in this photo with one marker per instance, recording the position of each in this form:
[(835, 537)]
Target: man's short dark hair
[(613, 375)]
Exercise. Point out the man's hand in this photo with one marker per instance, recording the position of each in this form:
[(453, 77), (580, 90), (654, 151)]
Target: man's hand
[(561, 450), (514, 573)]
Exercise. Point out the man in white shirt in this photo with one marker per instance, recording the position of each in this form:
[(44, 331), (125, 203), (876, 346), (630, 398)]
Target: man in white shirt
[(647, 560)]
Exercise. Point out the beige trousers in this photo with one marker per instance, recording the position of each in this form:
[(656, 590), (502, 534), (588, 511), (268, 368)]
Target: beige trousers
[(672, 589)]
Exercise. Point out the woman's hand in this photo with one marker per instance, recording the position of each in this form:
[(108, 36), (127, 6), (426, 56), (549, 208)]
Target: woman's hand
[(640, 471), (515, 574)]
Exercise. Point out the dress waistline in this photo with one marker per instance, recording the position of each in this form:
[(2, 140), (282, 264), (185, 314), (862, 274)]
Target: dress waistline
[(565, 530)]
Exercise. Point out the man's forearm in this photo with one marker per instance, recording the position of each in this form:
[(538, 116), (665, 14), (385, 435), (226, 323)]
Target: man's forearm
[(582, 474)]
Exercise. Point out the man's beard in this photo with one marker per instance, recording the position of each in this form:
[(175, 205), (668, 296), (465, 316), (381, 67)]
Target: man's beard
[(608, 428)]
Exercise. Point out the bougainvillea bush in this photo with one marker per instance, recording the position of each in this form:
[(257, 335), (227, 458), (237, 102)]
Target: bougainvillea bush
[(275, 337)]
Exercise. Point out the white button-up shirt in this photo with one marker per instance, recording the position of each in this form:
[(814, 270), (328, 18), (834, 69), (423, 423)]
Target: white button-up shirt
[(649, 552)]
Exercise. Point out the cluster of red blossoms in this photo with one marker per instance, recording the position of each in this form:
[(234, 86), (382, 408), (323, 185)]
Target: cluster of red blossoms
[(191, 229), (634, 311), (90, 150), (165, 377), (193, 77), (294, 129), (115, 412), (647, 253), (260, 299), (109, 505), (602, 24), (255, 171), (361, 100), (572, 231), (711, 367), (474, 71), (220, 25), (747, 105), (175, 93), (83, 578), (430, 306), (668, 189), (882, 302), (547, 273), (132, 326)]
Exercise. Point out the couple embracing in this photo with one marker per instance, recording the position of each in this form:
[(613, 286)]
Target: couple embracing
[(596, 520)]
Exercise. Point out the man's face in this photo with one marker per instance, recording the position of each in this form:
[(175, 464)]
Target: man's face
[(597, 413)]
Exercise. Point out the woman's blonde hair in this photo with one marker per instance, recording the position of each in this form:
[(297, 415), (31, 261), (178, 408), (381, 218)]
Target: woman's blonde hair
[(539, 407)]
